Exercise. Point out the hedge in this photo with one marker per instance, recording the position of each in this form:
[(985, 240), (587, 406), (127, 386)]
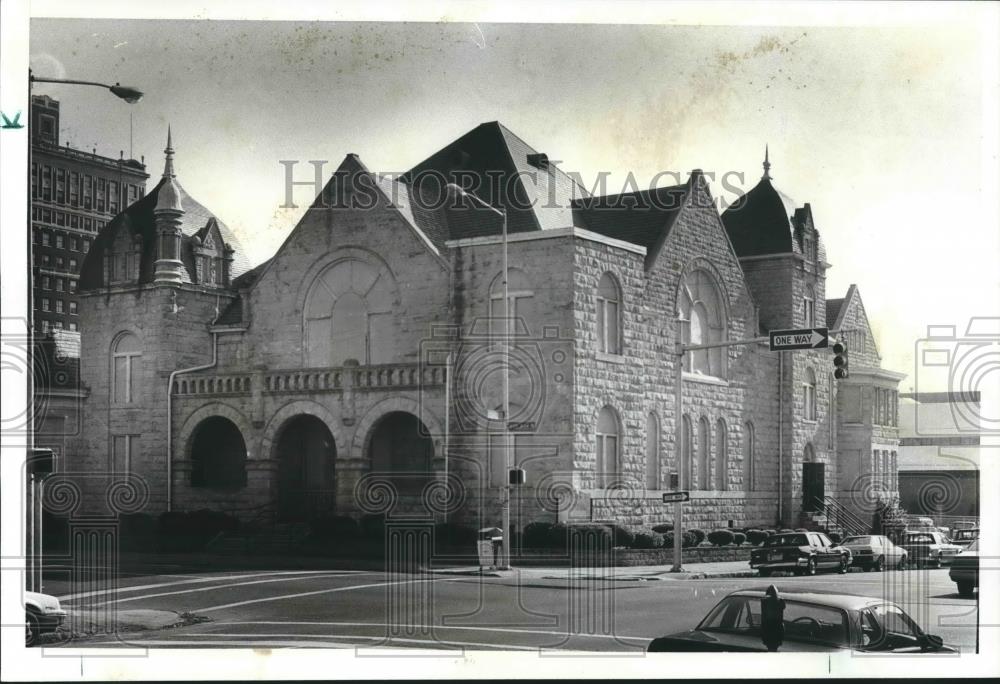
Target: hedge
[(699, 535), (757, 537), (739, 538), (720, 537)]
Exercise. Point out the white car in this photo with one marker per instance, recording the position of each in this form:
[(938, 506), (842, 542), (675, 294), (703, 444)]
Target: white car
[(42, 614)]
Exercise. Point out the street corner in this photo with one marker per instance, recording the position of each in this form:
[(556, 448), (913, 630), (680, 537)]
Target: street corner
[(84, 622)]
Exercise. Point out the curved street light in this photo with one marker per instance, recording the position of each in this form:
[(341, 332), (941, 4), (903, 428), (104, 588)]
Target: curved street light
[(130, 95)]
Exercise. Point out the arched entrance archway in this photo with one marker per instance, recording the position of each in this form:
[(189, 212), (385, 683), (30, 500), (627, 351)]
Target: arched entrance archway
[(401, 450), (218, 455), (306, 454)]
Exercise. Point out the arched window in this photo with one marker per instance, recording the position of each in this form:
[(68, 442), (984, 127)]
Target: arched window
[(520, 298), (687, 457), (607, 446), (608, 316), (652, 451), (704, 460), (703, 321), (809, 307), (809, 395), (348, 315), (809, 454), (125, 357), (721, 456), (749, 458)]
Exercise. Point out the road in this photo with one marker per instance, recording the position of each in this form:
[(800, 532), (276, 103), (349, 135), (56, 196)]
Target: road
[(535, 610)]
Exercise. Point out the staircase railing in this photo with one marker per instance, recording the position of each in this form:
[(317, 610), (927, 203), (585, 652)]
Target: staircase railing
[(841, 516)]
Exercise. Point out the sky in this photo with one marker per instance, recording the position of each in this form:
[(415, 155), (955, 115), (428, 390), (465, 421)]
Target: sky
[(884, 130)]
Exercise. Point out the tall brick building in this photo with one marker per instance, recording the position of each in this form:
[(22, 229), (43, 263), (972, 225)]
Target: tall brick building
[(73, 196), (359, 370)]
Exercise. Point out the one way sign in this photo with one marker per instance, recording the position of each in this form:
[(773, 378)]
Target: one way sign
[(807, 338)]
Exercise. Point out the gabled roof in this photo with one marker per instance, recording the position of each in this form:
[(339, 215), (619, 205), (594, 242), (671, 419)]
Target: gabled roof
[(833, 307), (759, 222), (637, 217)]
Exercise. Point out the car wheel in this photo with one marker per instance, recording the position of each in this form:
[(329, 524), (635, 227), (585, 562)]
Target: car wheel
[(902, 565), (966, 588), (879, 564), (810, 567), (31, 629), (936, 563), (844, 565)]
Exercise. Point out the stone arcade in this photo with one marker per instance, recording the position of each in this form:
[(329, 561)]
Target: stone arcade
[(358, 369)]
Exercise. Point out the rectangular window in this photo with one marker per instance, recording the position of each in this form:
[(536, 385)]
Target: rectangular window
[(60, 262), (46, 304), (74, 221), (60, 241), (73, 264), (71, 285), (61, 186), (34, 180), (36, 236), (102, 191), (59, 306), (45, 260), (60, 218), (72, 308), (46, 282), (59, 284), (46, 238), (809, 311), (74, 189), (73, 326)]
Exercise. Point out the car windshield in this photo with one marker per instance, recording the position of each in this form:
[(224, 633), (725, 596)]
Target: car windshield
[(965, 534), (920, 539), (974, 546), (786, 540), (804, 622), (859, 540)]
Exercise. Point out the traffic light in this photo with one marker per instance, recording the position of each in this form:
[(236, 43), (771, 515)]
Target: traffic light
[(840, 361)]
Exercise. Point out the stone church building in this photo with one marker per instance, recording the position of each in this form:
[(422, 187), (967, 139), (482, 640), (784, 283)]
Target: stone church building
[(360, 369)]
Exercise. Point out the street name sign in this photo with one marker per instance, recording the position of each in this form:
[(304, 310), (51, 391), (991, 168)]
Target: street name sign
[(676, 497), (804, 338)]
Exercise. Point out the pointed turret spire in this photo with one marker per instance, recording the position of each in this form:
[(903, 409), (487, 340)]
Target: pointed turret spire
[(168, 165), (767, 164)]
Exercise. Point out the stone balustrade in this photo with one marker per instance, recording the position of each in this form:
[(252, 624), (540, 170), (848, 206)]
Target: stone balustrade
[(311, 380)]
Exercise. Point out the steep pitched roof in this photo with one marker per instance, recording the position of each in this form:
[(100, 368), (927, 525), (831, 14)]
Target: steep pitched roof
[(498, 167), (638, 217), (139, 219), (833, 307), (759, 222)]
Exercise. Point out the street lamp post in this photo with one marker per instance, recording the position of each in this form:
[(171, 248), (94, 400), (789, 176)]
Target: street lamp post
[(130, 95), (506, 486)]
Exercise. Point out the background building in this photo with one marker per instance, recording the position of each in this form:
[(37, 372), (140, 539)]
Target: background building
[(358, 369), (73, 196)]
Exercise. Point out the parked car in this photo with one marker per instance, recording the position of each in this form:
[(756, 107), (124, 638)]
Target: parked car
[(965, 537), (42, 614), (875, 552), (810, 621), (804, 553), (965, 570), (929, 549)]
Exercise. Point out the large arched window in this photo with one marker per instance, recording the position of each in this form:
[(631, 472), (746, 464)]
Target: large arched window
[(749, 458), (608, 315), (607, 446), (686, 453), (703, 320), (704, 460), (721, 456), (520, 298), (348, 315), (809, 307), (652, 451), (809, 395), (125, 357)]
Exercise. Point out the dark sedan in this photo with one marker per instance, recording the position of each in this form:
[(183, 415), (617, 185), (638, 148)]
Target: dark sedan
[(809, 621), (804, 553)]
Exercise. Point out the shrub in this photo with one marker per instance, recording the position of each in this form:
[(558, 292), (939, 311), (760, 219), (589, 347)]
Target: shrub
[(689, 539), (597, 530), (622, 535), (720, 537), (739, 538), (373, 526), (699, 535), (757, 537), (646, 538), (663, 528), (538, 535)]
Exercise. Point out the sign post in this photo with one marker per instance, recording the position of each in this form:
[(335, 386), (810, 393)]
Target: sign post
[(801, 338), (677, 499)]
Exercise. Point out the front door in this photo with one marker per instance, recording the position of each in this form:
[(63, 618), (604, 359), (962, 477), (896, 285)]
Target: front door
[(813, 486)]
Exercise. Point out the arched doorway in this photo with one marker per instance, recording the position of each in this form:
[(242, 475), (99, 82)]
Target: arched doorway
[(218, 455), (306, 454), (401, 449)]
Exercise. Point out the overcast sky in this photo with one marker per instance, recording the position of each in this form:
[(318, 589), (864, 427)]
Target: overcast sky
[(880, 129)]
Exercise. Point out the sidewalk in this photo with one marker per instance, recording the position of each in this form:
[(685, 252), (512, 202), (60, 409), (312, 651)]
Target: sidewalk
[(640, 573)]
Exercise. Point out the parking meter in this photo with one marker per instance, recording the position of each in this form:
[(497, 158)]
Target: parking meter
[(772, 619)]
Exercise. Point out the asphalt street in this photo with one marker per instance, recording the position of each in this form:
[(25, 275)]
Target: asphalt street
[(527, 611)]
